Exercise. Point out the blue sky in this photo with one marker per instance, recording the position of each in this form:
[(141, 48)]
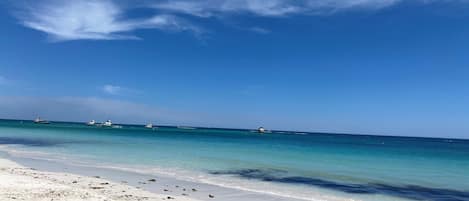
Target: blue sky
[(388, 67)]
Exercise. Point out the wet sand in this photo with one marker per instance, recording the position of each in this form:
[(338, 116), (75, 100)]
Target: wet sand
[(161, 186)]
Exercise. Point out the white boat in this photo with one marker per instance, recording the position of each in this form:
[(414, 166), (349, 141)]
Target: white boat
[(149, 126), (108, 123), (261, 130), (91, 123), (38, 120)]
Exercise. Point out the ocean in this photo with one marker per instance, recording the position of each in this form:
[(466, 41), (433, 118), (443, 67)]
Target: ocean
[(308, 166)]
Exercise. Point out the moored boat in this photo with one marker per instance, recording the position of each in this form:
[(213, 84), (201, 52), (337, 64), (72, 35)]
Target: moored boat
[(38, 120), (108, 123), (91, 123), (261, 130)]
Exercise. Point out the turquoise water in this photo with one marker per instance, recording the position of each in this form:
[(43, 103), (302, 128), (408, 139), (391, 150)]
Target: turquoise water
[(347, 166)]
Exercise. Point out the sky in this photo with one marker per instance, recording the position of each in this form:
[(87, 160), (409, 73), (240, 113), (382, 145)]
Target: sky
[(384, 67)]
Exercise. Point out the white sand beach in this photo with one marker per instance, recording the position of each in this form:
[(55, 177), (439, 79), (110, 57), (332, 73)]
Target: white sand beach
[(21, 183)]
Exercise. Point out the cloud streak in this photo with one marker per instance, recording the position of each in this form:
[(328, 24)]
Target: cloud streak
[(93, 19), (111, 89), (116, 90), (267, 8)]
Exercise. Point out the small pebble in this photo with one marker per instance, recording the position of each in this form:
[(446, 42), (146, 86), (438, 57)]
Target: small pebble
[(210, 196)]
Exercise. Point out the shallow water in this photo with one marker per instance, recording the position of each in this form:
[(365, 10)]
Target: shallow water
[(305, 166)]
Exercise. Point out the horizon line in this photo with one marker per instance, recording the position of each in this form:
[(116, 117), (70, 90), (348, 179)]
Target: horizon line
[(250, 129)]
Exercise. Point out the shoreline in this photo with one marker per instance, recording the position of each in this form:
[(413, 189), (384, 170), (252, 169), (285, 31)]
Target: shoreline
[(169, 185), (243, 166), (18, 182), (162, 187)]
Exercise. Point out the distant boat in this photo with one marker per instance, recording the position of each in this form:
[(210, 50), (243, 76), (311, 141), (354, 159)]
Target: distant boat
[(149, 126), (38, 120), (108, 123), (91, 123), (261, 130)]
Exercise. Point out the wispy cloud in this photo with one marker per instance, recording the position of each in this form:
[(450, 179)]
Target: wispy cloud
[(111, 89), (92, 19), (118, 90), (110, 19), (268, 8), (259, 30), (207, 8)]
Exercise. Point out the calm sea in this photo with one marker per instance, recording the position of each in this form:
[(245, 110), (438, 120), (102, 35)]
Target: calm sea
[(302, 165)]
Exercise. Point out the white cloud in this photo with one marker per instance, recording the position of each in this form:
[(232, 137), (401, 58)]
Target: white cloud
[(92, 19)]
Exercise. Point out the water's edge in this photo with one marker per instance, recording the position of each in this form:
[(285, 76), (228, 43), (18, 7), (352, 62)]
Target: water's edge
[(136, 179)]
